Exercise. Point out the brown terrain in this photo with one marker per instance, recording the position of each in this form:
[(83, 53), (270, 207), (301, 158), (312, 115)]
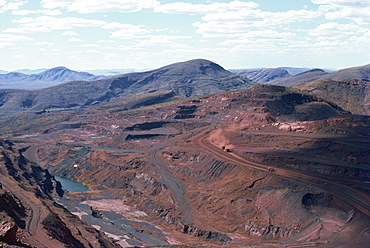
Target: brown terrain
[(350, 94), (265, 167), (30, 217)]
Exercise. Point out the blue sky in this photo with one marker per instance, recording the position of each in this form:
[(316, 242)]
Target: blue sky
[(143, 34)]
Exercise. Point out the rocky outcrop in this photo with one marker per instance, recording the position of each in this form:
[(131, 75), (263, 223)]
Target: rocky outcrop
[(196, 231), (265, 231), (8, 232), (309, 166), (29, 215), (310, 200)]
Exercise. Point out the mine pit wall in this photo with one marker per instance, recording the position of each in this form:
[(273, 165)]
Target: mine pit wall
[(259, 201), (212, 172), (26, 202), (303, 165)]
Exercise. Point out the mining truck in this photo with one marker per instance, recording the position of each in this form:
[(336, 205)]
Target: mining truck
[(225, 149)]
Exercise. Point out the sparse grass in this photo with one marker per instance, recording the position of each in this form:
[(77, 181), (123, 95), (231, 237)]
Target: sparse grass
[(26, 123), (127, 104)]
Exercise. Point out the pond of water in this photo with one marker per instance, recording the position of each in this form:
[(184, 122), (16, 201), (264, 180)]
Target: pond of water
[(70, 185)]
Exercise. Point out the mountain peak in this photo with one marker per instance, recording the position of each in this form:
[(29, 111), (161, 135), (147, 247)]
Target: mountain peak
[(55, 70), (59, 68), (312, 70)]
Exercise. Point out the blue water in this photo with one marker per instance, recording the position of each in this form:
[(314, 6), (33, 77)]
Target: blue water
[(70, 185)]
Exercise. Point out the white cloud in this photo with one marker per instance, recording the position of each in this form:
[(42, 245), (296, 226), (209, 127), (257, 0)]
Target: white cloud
[(221, 29), (256, 15), (93, 6), (160, 40), (44, 12), (106, 41), (262, 41), (364, 39), (189, 8), (129, 31), (8, 5), (5, 44), (359, 15), (88, 45), (49, 23), (330, 44), (238, 22), (17, 56), (335, 30), (344, 3), (70, 33), (12, 37), (44, 43), (121, 48), (74, 40), (355, 10)]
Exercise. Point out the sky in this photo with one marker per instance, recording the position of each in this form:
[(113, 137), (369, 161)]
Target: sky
[(148, 34)]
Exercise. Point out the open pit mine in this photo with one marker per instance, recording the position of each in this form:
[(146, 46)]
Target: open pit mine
[(268, 166)]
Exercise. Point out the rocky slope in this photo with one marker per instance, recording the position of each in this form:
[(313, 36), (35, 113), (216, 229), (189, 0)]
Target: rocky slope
[(29, 217), (263, 76), (351, 94), (306, 76), (358, 72), (186, 79)]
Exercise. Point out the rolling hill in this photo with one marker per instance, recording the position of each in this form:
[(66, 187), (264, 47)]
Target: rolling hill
[(306, 76), (285, 76), (186, 79), (268, 75), (358, 72), (351, 94)]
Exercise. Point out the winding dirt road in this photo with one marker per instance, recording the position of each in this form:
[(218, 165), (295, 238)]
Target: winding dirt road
[(334, 185), (167, 178)]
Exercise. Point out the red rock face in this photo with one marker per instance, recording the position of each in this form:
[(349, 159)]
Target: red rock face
[(29, 217)]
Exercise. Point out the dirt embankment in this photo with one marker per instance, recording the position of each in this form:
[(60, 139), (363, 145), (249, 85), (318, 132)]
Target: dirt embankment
[(26, 203)]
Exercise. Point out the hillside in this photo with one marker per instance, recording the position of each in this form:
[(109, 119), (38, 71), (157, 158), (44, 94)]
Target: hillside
[(186, 79), (359, 72), (352, 94), (29, 216), (263, 76), (306, 76), (44, 79), (289, 77)]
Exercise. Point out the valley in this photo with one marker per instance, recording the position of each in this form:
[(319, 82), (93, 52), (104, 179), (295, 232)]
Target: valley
[(255, 166)]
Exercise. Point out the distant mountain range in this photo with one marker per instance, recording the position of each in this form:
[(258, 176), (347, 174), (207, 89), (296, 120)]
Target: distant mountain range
[(47, 78), (292, 76), (61, 88), (185, 79), (28, 79)]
